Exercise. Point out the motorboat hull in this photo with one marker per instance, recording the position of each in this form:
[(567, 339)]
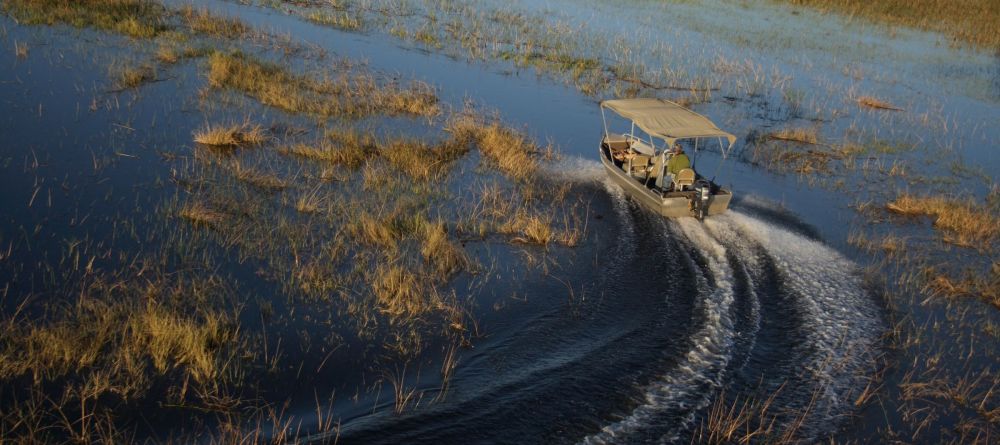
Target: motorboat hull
[(671, 204)]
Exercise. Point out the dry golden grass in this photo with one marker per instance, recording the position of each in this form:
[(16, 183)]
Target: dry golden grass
[(349, 148), (398, 292), (172, 53), (801, 161), (807, 135), (120, 335), (309, 202), (969, 21), (258, 178), (872, 102), (421, 160), (337, 19), (746, 420), (375, 231), (201, 21), (446, 257), (509, 151), (235, 135), (354, 95), (174, 341), (131, 76), (135, 18), (985, 286), (962, 221), (201, 213), (890, 244), (529, 228), (168, 54)]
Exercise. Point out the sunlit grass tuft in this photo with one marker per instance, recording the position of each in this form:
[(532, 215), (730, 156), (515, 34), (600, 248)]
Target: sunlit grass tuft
[(873, 102), (337, 19), (350, 94), (445, 257), (132, 76), (257, 178), (963, 222), (310, 201), (202, 214), (976, 284), (201, 21), (807, 135), (244, 134), (509, 151), (399, 293), (134, 18)]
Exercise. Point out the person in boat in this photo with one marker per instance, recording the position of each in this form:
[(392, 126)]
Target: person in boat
[(678, 161)]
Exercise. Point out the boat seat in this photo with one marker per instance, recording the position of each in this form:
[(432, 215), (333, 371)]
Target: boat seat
[(616, 142), (684, 179), (639, 166)]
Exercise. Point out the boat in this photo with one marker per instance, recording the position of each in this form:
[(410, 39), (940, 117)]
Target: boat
[(639, 161)]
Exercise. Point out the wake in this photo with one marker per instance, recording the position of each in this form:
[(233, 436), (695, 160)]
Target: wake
[(839, 320)]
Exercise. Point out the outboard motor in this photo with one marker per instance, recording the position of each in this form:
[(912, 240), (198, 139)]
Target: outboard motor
[(700, 200)]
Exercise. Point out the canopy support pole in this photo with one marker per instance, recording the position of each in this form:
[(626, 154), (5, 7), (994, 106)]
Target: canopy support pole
[(605, 120)]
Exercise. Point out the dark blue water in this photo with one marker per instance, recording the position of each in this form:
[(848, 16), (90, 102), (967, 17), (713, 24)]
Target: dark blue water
[(629, 337)]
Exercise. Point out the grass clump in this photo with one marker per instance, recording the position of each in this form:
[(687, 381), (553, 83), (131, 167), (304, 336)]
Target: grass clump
[(349, 148), (353, 95), (201, 214), (399, 293), (985, 286), (201, 21), (120, 335), (530, 228), (132, 76), (134, 18), (237, 135), (421, 160), (509, 151), (444, 256), (340, 20), (803, 135), (963, 222), (309, 202), (172, 53), (259, 179), (876, 103)]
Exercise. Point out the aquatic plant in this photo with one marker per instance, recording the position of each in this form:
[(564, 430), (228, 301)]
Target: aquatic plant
[(355, 95), (243, 134), (962, 221), (135, 18)]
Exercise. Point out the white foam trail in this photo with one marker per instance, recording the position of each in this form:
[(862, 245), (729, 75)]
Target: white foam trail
[(843, 321), (750, 264), (705, 361), (576, 169)]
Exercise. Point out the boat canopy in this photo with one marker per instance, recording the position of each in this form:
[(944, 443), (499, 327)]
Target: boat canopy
[(666, 120)]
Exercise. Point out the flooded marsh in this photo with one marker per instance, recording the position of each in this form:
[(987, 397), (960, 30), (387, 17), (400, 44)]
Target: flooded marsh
[(383, 222)]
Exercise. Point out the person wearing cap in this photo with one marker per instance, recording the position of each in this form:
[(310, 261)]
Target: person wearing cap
[(678, 160)]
